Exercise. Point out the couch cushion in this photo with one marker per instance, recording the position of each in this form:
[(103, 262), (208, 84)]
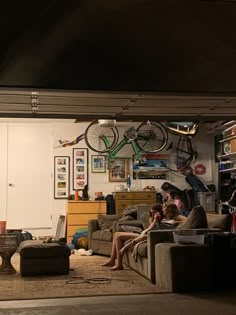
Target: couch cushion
[(102, 235), (196, 219), (142, 249), (221, 221), (105, 222), (139, 249)]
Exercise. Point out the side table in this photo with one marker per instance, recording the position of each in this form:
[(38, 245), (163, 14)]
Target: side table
[(223, 259), (8, 246)]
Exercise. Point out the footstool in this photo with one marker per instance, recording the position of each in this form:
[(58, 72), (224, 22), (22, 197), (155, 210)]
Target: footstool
[(183, 267), (39, 258)]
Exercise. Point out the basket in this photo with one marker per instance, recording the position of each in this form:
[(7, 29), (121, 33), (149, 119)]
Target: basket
[(188, 238)]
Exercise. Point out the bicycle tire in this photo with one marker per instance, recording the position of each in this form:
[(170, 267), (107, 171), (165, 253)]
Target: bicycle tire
[(184, 156), (152, 137), (95, 134)]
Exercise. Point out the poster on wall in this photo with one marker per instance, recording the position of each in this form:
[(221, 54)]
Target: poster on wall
[(80, 168), (154, 166), (61, 177)]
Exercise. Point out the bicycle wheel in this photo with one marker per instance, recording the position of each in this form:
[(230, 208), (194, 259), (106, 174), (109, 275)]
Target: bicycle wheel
[(183, 154), (100, 139), (152, 136)]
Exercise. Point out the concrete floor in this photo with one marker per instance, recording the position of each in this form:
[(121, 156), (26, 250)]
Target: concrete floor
[(216, 303)]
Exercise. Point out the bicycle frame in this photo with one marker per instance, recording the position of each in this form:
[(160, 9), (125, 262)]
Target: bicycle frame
[(112, 152), (189, 153), (143, 139)]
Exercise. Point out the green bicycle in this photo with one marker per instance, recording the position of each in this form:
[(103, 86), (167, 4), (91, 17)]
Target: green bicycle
[(148, 137)]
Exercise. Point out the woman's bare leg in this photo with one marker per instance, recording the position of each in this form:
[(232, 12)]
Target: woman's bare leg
[(112, 260), (120, 239)]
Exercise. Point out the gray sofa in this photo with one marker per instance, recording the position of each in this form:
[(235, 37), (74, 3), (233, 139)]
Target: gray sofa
[(101, 230), (144, 262)]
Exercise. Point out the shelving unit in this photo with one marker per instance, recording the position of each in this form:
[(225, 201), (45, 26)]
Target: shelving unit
[(227, 164)]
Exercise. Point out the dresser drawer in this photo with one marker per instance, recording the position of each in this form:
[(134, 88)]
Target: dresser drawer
[(78, 219), (144, 195), (122, 204), (144, 201), (124, 196), (87, 207), (135, 195)]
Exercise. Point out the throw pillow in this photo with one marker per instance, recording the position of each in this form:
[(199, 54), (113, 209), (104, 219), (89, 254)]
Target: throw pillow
[(126, 218), (144, 218), (105, 222), (197, 219), (130, 211)]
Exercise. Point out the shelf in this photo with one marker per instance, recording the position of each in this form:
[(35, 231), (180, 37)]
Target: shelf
[(228, 170), (227, 155), (228, 139)]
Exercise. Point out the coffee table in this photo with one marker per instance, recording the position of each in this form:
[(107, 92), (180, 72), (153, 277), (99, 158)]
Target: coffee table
[(8, 246)]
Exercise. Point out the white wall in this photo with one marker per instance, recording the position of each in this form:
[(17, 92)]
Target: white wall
[(99, 181)]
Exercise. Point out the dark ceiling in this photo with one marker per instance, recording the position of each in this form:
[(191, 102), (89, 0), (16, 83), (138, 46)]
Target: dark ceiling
[(119, 45)]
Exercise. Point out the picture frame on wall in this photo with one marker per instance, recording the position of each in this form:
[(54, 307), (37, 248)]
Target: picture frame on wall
[(80, 168), (119, 170), (98, 164), (156, 166), (61, 177)]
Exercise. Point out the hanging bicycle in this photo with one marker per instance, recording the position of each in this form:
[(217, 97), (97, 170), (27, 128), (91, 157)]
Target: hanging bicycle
[(147, 137), (184, 152)]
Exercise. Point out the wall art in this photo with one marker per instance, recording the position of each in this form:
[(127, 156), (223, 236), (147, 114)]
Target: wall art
[(80, 168), (119, 170), (98, 164), (61, 177)]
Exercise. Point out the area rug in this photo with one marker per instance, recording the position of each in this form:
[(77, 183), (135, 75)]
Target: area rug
[(86, 278)]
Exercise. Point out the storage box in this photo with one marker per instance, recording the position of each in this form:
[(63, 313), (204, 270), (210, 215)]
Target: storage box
[(233, 146), (187, 238), (207, 200)]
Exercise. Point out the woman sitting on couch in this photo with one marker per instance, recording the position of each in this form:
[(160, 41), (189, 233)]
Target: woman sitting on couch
[(156, 215), (157, 221)]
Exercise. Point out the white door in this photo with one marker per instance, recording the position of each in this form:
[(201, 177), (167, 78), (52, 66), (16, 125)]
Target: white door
[(3, 171), (29, 193)]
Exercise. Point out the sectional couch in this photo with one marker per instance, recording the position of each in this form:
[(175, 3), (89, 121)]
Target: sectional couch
[(144, 260)]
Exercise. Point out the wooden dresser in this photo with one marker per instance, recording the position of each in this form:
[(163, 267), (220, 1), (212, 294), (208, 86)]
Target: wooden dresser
[(79, 212), (125, 199)]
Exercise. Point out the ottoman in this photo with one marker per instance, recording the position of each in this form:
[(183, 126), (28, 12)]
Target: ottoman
[(39, 258), (183, 268)]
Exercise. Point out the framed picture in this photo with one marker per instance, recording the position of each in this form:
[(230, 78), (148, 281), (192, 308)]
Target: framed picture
[(61, 177), (98, 163), (119, 170), (155, 167), (80, 168)]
